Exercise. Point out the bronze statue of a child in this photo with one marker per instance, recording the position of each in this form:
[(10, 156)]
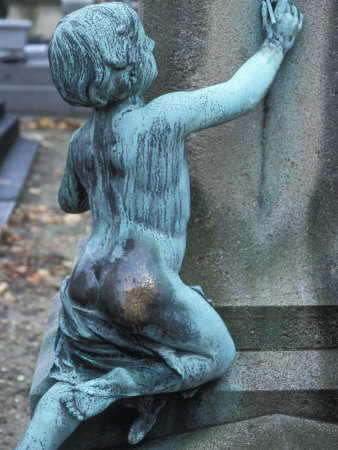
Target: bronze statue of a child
[(129, 328)]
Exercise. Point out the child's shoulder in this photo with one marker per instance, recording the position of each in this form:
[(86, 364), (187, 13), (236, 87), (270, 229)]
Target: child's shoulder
[(156, 115)]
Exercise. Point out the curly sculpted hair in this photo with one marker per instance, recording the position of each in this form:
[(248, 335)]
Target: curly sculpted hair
[(93, 52)]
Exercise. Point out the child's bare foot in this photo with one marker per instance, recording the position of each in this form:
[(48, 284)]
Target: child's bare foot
[(149, 408), (83, 405)]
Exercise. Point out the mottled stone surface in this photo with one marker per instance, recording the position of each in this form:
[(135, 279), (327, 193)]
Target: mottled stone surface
[(263, 211), (262, 433)]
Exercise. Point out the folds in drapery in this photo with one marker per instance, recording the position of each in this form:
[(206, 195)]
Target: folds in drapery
[(89, 344), (93, 350)]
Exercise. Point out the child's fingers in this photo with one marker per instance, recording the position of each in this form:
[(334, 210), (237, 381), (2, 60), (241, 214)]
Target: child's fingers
[(280, 8), (300, 24), (271, 14)]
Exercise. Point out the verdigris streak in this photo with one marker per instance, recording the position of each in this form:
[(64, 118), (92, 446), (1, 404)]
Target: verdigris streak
[(130, 330)]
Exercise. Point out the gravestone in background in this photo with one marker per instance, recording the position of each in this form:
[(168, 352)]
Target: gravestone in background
[(17, 155)]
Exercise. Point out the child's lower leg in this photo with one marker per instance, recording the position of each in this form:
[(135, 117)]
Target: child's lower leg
[(51, 423)]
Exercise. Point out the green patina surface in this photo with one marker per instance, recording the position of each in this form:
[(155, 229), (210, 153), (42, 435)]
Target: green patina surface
[(130, 331)]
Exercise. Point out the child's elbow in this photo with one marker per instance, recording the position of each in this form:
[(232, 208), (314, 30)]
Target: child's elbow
[(64, 204), (68, 205)]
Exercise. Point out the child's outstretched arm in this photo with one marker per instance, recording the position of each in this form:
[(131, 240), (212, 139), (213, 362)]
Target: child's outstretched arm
[(218, 104)]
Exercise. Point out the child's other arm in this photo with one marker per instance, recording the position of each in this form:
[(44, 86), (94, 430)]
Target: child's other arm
[(72, 197), (218, 104)]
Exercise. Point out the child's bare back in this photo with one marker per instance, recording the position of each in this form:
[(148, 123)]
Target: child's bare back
[(142, 191)]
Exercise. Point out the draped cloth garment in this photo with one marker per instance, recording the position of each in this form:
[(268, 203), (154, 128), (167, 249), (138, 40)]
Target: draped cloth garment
[(91, 347)]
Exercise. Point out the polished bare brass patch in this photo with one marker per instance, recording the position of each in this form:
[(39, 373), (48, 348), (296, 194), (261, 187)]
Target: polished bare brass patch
[(140, 292)]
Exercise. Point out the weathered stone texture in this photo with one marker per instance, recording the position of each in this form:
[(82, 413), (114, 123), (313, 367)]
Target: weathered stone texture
[(260, 433), (263, 214)]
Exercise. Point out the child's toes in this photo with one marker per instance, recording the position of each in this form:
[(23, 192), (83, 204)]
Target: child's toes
[(73, 411), (67, 398), (76, 414)]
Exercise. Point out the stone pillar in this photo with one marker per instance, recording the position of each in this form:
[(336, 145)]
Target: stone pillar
[(69, 6), (263, 224)]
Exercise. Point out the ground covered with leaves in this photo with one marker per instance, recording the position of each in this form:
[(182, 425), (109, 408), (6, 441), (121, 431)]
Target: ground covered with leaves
[(36, 253)]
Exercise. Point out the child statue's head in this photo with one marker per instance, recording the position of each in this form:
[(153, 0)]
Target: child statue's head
[(100, 55)]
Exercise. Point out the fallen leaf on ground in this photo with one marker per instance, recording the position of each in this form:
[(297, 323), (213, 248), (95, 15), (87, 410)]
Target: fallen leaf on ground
[(45, 123), (72, 219), (16, 249), (44, 272), (22, 269), (68, 264), (10, 270), (48, 123), (35, 279), (8, 237), (34, 191)]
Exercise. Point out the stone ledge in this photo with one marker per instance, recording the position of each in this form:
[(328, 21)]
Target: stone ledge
[(103, 431), (275, 431), (274, 327), (15, 168)]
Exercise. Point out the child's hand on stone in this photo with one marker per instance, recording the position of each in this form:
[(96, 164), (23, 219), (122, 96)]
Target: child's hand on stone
[(282, 24)]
